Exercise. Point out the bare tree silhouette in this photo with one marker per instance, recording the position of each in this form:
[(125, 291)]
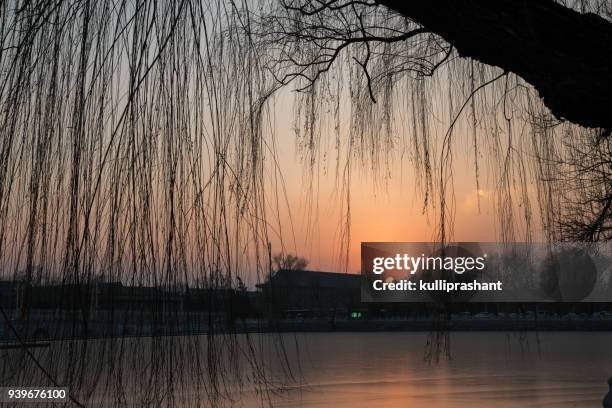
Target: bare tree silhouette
[(503, 66), (289, 261)]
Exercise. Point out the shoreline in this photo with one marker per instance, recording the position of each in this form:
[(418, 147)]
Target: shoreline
[(329, 326)]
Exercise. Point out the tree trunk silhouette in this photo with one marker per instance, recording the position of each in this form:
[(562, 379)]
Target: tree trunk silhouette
[(565, 55)]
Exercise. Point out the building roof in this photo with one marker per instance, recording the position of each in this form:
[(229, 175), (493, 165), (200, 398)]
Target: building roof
[(328, 280)]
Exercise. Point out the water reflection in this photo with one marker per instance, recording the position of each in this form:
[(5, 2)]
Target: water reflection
[(328, 369), (487, 369)]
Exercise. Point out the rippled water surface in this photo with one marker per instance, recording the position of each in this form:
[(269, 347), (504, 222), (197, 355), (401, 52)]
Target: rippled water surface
[(485, 370)]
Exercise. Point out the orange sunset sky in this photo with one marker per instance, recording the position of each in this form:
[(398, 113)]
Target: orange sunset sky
[(382, 209)]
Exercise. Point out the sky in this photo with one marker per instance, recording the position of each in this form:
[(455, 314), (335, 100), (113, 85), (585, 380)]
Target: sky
[(381, 211)]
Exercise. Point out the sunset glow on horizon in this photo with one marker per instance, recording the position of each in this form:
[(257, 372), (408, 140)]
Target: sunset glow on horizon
[(383, 208)]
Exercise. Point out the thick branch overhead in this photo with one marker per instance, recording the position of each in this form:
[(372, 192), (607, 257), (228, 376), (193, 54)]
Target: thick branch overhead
[(565, 55)]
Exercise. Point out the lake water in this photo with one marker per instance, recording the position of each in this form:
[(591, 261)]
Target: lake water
[(483, 369)]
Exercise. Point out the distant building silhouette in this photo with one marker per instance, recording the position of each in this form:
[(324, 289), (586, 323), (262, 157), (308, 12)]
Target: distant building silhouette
[(299, 293)]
